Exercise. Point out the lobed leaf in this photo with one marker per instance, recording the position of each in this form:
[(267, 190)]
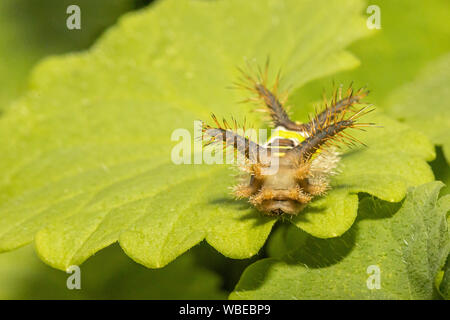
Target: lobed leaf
[(407, 248), (86, 152)]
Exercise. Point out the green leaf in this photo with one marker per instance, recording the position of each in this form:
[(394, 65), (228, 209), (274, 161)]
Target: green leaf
[(86, 152), (24, 276), (396, 53), (285, 239), (393, 161), (31, 30), (444, 286), (409, 246), (424, 104)]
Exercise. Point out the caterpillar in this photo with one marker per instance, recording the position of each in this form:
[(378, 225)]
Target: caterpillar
[(306, 153)]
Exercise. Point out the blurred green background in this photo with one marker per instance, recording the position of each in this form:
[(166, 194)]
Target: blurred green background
[(413, 34), (30, 30)]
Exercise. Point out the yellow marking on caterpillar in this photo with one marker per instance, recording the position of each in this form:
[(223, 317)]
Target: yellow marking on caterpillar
[(296, 136)]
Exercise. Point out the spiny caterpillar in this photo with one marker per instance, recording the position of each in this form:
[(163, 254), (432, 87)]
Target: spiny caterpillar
[(305, 153)]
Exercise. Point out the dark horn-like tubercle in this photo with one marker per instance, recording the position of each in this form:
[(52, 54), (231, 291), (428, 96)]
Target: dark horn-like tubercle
[(327, 134), (223, 133)]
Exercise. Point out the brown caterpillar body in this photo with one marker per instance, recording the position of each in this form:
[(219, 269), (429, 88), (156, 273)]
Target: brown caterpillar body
[(303, 167)]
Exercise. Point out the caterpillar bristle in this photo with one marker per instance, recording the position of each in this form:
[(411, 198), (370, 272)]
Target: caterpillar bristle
[(307, 152)]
